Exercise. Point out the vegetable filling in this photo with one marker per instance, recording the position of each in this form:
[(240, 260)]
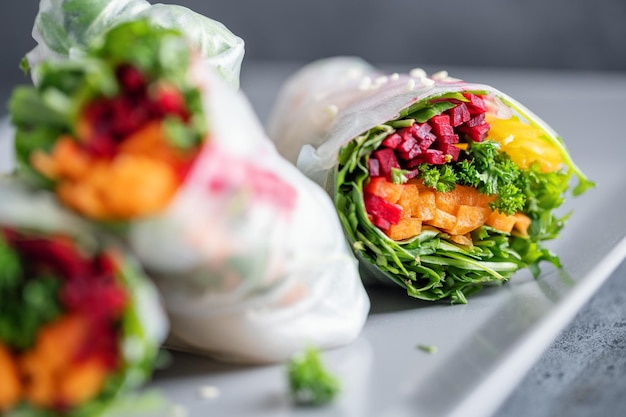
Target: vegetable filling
[(60, 314), (118, 132), (450, 196)]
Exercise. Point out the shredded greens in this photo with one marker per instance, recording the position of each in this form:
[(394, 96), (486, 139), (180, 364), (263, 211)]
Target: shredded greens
[(309, 382), (430, 266)]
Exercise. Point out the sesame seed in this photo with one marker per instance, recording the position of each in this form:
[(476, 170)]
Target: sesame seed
[(410, 85), (332, 110), (427, 82), (381, 80), (365, 84), (440, 76), (394, 76), (418, 73)]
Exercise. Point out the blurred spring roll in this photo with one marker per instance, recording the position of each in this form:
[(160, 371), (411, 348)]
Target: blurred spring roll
[(67, 29), (139, 136), (442, 186), (80, 325)]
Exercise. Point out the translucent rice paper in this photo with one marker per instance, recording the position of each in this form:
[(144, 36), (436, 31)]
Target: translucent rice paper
[(65, 28), (7, 153), (27, 209), (250, 255), (329, 102)]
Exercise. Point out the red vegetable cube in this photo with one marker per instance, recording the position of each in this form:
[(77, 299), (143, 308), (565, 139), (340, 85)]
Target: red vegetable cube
[(407, 145), (421, 130), (448, 139), (476, 120), (475, 133), (427, 141), (449, 149), (459, 114), (373, 167), (476, 104), (430, 156), (387, 160), (411, 153), (441, 125), (392, 141), (381, 209)]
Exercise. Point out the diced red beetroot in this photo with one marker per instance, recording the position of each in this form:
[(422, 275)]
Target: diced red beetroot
[(381, 223), (407, 145), (431, 156), (56, 255), (131, 79), (387, 160), (476, 104), (476, 120), (170, 101), (421, 130), (380, 208), (373, 167), (448, 139), (441, 125), (392, 141), (475, 133), (102, 146), (411, 174), (427, 141), (449, 149), (459, 114), (412, 153)]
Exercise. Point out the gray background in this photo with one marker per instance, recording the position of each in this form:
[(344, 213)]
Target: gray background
[(563, 34)]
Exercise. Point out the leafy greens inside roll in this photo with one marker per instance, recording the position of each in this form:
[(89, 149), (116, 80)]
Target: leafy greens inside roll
[(114, 133), (458, 192)]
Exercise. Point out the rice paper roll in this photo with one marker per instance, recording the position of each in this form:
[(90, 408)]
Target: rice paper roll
[(152, 144), (80, 323), (67, 29), (442, 186)]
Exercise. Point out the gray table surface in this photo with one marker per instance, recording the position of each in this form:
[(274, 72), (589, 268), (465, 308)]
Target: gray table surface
[(582, 372)]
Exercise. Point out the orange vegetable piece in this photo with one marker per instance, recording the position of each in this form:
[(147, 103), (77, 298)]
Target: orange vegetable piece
[(81, 382), (469, 218), (39, 388), (462, 239), (522, 223), (66, 335), (405, 229), (500, 221), (409, 200), (442, 220), (10, 385), (384, 189), (129, 186), (427, 205)]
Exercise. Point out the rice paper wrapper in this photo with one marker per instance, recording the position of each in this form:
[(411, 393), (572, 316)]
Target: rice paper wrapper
[(66, 28), (329, 102), (250, 255)]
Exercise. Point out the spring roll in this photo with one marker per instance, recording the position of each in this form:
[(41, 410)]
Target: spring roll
[(141, 138), (68, 28), (442, 186), (80, 323)]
